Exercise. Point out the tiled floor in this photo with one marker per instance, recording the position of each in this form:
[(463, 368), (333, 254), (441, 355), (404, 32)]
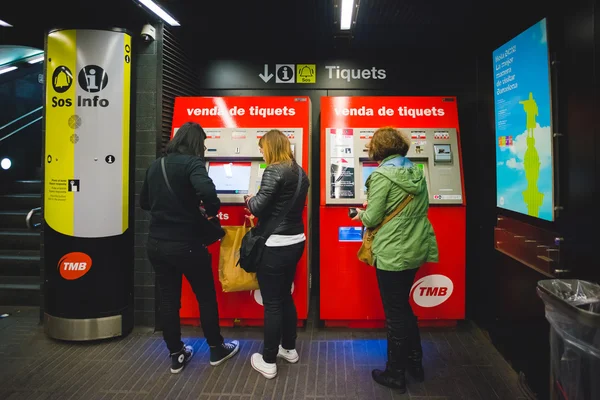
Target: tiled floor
[(334, 364)]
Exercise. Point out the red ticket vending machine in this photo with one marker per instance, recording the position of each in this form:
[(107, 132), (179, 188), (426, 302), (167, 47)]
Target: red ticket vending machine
[(233, 126), (349, 291)]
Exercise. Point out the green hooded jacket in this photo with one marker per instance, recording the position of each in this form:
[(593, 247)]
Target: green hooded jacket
[(408, 240)]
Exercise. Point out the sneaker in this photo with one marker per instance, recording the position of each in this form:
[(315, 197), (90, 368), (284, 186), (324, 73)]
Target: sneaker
[(267, 370), (290, 356), (222, 353), (180, 359)]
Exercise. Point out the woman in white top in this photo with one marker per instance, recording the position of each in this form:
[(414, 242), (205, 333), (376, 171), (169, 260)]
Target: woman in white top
[(284, 248)]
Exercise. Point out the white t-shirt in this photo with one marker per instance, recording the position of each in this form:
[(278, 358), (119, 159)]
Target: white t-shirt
[(284, 240)]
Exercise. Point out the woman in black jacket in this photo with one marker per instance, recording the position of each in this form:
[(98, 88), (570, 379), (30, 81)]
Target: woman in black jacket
[(283, 250), (175, 242)]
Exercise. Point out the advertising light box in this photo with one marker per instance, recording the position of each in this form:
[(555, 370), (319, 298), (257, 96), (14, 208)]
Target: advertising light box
[(523, 113)]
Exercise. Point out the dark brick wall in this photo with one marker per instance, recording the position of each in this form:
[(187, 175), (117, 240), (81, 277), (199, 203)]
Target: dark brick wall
[(148, 81), (163, 72)]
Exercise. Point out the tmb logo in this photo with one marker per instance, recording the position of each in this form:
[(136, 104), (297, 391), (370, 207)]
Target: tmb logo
[(74, 265), (432, 290)]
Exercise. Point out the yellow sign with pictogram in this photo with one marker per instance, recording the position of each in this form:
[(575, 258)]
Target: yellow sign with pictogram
[(306, 73)]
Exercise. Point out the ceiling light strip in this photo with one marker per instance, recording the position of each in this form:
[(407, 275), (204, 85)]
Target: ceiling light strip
[(346, 14), (162, 14)]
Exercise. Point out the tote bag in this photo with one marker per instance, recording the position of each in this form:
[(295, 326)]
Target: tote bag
[(232, 277)]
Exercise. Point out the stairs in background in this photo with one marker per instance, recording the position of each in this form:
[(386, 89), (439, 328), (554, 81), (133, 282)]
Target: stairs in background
[(19, 246)]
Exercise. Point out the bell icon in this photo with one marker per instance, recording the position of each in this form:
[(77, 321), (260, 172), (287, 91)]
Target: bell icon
[(306, 71), (62, 80)]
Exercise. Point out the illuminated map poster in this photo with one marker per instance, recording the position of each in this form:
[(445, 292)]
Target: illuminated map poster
[(522, 106)]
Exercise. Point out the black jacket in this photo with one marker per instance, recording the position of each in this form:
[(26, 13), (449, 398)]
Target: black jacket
[(192, 185), (277, 188)]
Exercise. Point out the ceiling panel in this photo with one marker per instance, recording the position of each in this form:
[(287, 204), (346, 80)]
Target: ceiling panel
[(275, 26)]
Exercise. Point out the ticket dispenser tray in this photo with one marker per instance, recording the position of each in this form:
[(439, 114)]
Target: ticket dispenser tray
[(442, 153)]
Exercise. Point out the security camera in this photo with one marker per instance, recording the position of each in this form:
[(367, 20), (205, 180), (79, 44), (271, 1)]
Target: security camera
[(148, 33)]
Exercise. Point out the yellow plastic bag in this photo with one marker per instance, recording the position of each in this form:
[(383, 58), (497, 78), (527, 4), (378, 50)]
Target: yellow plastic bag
[(232, 277)]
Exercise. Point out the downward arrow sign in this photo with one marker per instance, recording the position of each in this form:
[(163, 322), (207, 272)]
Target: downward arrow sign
[(266, 76)]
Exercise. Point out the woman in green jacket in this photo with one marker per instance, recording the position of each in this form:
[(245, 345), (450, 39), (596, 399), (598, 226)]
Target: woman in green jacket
[(400, 247)]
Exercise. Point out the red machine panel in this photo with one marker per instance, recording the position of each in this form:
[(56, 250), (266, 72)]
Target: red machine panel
[(233, 126), (347, 125)]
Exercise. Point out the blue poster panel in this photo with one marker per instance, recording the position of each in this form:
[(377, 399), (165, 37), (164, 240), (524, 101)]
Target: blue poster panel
[(523, 112)]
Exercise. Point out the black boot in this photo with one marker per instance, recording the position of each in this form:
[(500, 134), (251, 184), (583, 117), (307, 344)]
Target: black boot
[(392, 378), (394, 374), (415, 365), (415, 354)]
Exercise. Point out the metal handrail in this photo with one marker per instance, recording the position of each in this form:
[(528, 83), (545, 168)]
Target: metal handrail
[(30, 214), (21, 128), (21, 117)]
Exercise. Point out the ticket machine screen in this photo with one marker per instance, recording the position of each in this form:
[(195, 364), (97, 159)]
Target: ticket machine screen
[(367, 169), (230, 178), (261, 171)]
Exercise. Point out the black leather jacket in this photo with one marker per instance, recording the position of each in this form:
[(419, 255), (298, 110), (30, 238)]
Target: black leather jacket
[(277, 188)]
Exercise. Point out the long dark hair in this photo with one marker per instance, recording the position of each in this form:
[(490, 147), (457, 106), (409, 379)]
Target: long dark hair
[(189, 139)]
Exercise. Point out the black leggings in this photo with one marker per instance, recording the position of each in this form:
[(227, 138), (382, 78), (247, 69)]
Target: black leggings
[(275, 275), (402, 329), (171, 260)]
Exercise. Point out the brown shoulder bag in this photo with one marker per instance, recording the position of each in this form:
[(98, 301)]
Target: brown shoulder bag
[(365, 253)]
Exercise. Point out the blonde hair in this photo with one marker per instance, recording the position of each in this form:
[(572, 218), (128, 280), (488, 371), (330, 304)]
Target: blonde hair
[(276, 147)]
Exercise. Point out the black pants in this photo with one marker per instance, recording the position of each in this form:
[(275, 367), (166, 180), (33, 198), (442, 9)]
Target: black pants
[(275, 277), (171, 260), (402, 329)]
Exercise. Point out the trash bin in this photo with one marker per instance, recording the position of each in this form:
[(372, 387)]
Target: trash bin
[(573, 310)]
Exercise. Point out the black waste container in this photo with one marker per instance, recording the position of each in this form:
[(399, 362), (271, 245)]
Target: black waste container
[(573, 310)]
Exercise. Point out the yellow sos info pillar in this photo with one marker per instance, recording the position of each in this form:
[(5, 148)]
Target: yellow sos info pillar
[(88, 238)]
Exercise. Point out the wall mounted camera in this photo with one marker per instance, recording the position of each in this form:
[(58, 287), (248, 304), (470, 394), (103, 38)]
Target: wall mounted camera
[(148, 33)]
